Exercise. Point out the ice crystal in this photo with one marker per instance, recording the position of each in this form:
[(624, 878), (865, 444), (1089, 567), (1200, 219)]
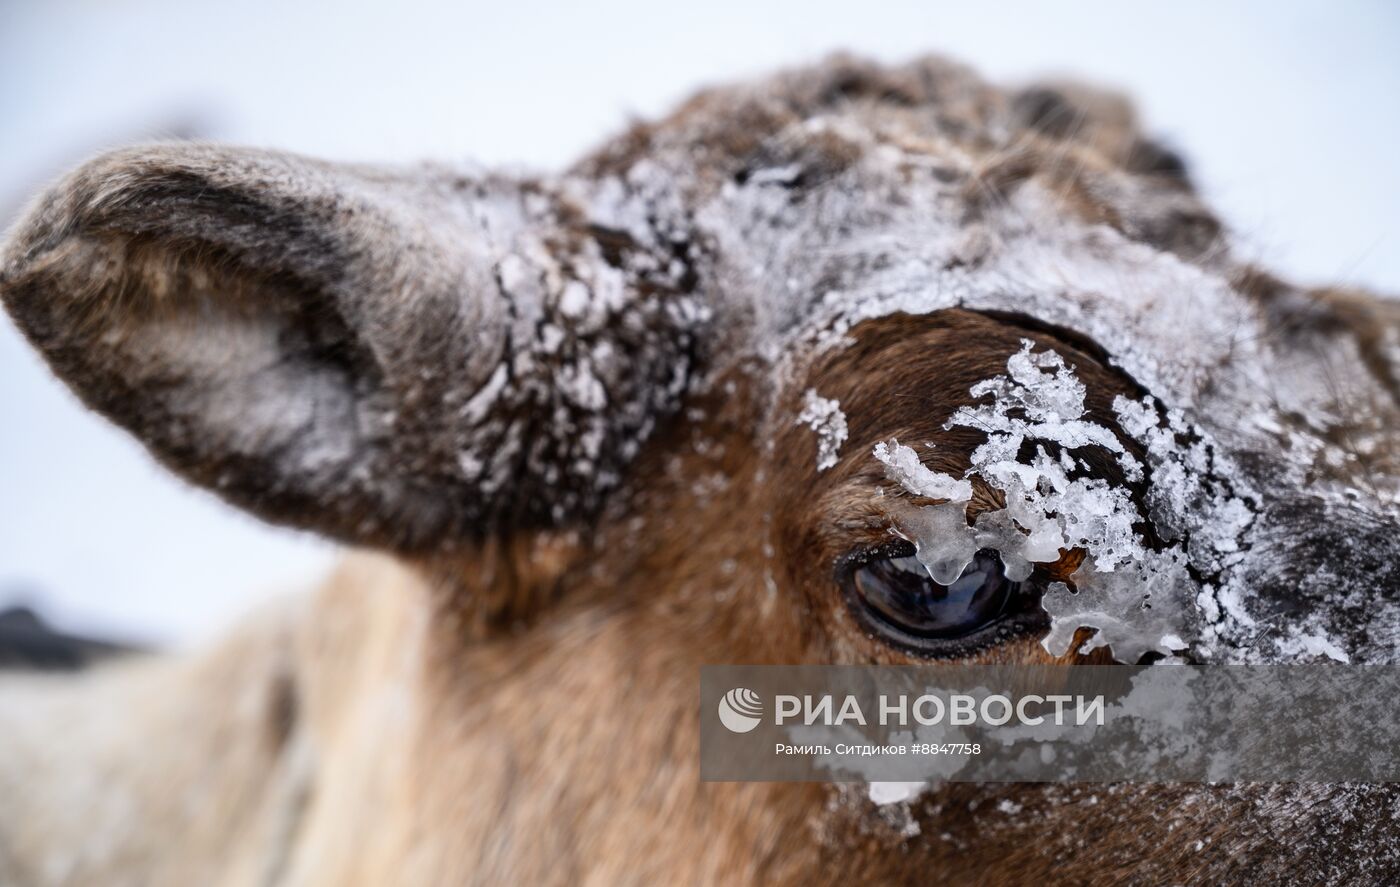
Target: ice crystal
[(823, 415), (902, 465)]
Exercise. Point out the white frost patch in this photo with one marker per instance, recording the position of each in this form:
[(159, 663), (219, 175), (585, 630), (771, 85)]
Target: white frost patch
[(823, 415), (1140, 597), (883, 793), (902, 465), (1300, 643)]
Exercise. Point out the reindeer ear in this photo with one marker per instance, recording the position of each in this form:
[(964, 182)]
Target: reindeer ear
[(391, 357)]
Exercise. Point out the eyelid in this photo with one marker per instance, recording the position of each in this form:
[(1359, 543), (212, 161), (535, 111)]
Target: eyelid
[(862, 555)]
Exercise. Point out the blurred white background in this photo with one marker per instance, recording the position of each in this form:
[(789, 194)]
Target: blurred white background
[(1287, 112)]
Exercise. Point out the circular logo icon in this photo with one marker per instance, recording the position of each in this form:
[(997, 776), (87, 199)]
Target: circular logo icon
[(740, 710)]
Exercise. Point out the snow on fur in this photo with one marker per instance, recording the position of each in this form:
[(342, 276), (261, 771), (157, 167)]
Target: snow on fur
[(824, 416), (1140, 598)]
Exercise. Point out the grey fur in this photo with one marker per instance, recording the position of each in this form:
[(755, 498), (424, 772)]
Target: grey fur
[(373, 353)]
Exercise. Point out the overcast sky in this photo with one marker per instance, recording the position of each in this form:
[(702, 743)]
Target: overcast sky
[(1287, 111)]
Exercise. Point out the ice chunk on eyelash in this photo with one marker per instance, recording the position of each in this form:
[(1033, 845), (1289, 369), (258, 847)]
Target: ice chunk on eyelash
[(943, 542), (996, 530), (902, 465), (823, 415)]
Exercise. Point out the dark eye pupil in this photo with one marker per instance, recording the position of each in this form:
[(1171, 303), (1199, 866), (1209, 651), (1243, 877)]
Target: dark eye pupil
[(899, 591)]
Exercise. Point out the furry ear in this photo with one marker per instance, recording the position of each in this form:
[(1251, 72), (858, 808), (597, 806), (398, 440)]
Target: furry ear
[(398, 358)]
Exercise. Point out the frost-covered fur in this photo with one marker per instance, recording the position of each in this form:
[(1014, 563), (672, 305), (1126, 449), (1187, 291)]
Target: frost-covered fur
[(414, 356), (611, 425)]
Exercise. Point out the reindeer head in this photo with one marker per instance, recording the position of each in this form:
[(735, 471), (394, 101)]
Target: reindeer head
[(853, 364)]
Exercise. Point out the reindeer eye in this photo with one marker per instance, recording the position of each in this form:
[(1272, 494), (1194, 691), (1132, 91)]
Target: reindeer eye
[(895, 597)]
